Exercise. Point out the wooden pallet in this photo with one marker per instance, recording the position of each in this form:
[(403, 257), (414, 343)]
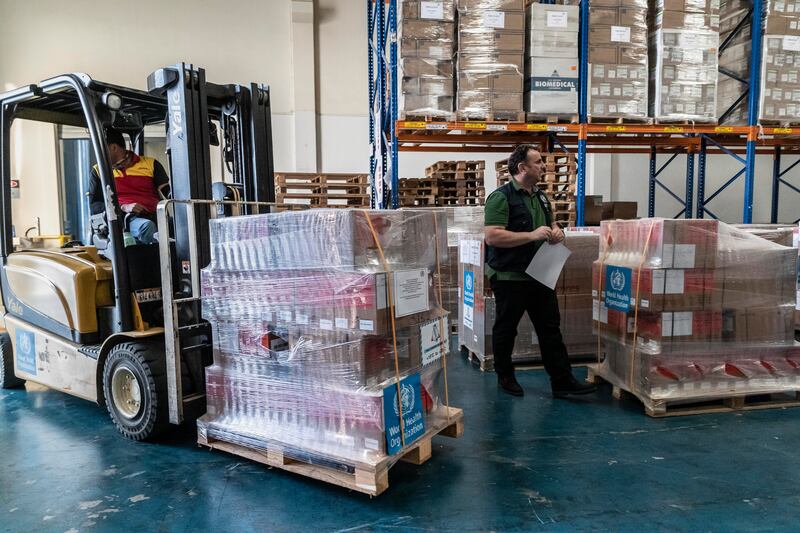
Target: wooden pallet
[(620, 120), (456, 165), (560, 118), (707, 405), (368, 478), (325, 200), (417, 201), (494, 116), (460, 201), (455, 174), (296, 178)]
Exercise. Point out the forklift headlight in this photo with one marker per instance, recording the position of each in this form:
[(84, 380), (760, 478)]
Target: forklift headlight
[(113, 101)]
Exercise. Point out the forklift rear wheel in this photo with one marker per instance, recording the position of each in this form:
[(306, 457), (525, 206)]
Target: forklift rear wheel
[(135, 389), (7, 378)]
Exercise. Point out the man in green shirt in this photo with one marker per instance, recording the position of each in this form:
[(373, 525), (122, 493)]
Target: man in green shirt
[(518, 221)]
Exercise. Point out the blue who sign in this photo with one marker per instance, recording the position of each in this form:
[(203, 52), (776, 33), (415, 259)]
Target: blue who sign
[(26, 351), (618, 288), (413, 420), (469, 288)]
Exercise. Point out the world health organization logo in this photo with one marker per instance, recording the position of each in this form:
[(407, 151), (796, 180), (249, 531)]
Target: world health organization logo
[(617, 280), (407, 397), (468, 283), (25, 344)]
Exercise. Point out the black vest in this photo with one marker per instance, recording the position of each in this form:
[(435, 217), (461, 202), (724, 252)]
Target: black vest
[(518, 258)]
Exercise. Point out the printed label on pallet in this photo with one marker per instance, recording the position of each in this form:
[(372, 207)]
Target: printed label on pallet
[(469, 298), (618, 291), (410, 401), (26, 351), (410, 292), (434, 342)]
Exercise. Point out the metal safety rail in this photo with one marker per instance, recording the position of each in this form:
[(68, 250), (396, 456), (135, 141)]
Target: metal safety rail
[(182, 313), (665, 144)]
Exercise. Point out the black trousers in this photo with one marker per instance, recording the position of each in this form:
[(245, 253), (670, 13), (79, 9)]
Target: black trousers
[(513, 299)]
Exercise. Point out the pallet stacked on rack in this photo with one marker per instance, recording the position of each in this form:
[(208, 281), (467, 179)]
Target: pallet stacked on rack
[(308, 190), (558, 182)]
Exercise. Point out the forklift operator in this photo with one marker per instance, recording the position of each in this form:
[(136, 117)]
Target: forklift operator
[(137, 180)]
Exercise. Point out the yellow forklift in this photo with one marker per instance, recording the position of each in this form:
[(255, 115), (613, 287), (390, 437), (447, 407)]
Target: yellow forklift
[(122, 325)]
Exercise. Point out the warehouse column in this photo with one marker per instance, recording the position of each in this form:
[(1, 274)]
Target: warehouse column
[(304, 86)]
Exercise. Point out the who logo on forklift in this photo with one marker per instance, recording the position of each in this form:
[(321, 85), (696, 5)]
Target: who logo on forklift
[(113, 320)]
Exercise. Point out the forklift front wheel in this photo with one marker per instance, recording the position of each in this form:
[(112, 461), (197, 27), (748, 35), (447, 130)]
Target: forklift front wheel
[(7, 378), (135, 388)]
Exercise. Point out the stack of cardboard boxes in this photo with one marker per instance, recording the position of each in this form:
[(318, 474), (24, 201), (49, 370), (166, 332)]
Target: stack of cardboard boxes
[(477, 309), (551, 60), (427, 48), (303, 307), (780, 71), (491, 49), (694, 308), (618, 59), (684, 41)]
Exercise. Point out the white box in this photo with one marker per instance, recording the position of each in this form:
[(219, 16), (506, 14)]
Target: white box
[(556, 44), (552, 86)]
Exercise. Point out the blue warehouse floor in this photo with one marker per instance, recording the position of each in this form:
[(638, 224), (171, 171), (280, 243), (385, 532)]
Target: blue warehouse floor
[(523, 464)]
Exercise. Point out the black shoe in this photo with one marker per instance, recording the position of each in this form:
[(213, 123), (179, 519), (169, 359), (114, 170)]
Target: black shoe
[(508, 383), (572, 387)]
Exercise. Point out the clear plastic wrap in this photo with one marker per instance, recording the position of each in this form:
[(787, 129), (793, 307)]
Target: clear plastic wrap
[(780, 62), (618, 74), (551, 84), (683, 61), (315, 315), (574, 288), (691, 309), (426, 52), (459, 220), (491, 48)]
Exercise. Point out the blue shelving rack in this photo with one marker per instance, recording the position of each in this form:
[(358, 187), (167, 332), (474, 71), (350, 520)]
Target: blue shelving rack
[(743, 143)]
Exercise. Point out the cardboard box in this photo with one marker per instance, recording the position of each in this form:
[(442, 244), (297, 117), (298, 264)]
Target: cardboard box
[(502, 82), (710, 7), (680, 20), (416, 67), (614, 35), (495, 40), (491, 63), (432, 48), (487, 19), (551, 17), (436, 86), (426, 105), (420, 9), (428, 29), (500, 5), (553, 44)]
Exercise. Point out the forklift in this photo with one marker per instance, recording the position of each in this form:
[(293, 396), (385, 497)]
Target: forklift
[(122, 325)]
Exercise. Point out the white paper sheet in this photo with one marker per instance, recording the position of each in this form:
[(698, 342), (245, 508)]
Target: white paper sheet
[(547, 263)]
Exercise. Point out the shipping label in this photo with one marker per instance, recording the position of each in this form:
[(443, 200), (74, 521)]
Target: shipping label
[(557, 19), (409, 400), (621, 34), (410, 292), (431, 10)]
